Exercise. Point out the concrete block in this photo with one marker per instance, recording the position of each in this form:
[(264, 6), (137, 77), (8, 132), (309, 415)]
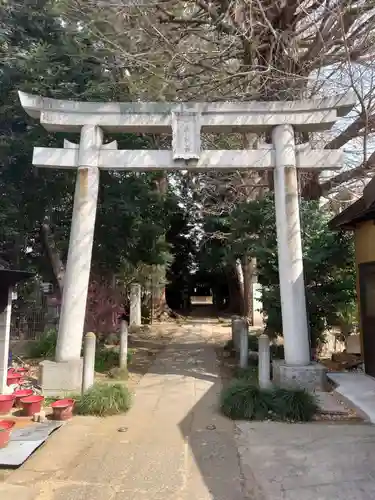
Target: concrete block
[(59, 379), (311, 377)]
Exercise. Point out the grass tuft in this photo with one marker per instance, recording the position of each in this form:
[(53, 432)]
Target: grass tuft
[(103, 400), (294, 405), (244, 400)]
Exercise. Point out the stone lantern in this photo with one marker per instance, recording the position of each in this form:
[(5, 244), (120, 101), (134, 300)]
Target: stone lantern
[(8, 279)]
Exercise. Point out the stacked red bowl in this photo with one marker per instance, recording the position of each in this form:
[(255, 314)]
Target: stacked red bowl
[(6, 403), (14, 377), (21, 393)]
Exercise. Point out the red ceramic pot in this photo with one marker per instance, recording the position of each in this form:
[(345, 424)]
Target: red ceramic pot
[(14, 378), (23, 370), (20, 394), (6, 403), (31, 405), (6, 427), (62, 409)]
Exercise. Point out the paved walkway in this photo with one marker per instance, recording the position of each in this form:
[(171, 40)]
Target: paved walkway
[(358, 388), (309, 461), (176, 447)]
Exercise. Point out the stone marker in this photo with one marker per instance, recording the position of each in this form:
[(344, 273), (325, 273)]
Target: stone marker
[(233, 327), (89, 348), (237, 324), (186, 121), (244, 345), (123, 344), (135, 305), (264, 360)]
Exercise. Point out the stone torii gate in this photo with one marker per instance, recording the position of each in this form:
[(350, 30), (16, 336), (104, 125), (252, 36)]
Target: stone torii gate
[(185, 121)]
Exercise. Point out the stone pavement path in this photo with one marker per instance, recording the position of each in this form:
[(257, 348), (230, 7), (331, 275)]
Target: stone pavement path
[(176, 445), (315, 461)]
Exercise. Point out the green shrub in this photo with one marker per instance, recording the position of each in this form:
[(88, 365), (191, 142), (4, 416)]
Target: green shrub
[(229, 346), (296, 405), (119, 373), (250, 373), (129, 357), (244, 400), (253, 343), (103, 400), (48, 400), (277, 351), (106, 359), (45, 346)]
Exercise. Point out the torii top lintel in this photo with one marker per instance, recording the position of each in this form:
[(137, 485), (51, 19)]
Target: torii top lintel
[(252, 116)]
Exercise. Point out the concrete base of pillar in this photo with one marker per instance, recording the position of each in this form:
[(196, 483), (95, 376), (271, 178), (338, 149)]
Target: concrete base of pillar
[(59, 379), (311, 377)]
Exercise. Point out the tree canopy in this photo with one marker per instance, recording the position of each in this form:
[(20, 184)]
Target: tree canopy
[(170, 225), (43, 55)]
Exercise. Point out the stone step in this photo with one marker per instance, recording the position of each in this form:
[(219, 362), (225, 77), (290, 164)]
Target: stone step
[(329, 403)]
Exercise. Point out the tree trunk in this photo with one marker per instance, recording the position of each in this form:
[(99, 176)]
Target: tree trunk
[(241, 284), (53, 253), (248, 268), (235, 296), (159, 301)]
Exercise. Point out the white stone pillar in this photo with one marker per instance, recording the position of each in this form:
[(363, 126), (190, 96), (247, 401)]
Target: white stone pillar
[(237, 324), (244, 345), (123, 344), (135, 305), (76, 280), (292, 288), (89, 348), (264, 361), (5, 315)]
